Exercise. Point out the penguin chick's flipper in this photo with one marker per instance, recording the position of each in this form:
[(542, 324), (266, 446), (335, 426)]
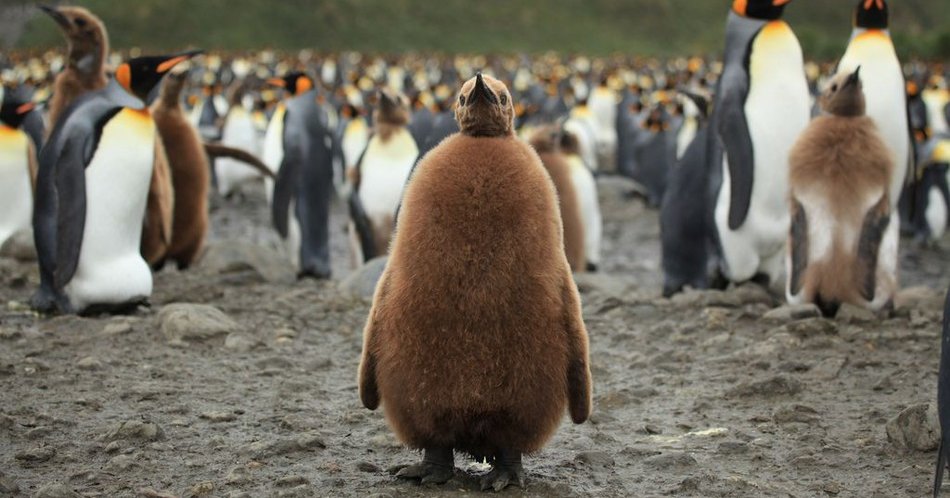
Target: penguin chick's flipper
[(364, 229), (437, 467), (578, 371), (943, 398), (872, 232), (215, 151), (733, 130), (369, 390), (506, 470), (798, 247)]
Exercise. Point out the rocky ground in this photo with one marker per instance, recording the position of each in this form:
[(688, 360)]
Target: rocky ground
[(240, 381)]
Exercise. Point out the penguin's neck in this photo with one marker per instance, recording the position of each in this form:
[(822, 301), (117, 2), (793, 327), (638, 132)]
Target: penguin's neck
[(87, 64), (856, 32), (387, 130)]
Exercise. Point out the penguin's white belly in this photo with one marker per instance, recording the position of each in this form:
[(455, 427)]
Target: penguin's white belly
[(883, 81), (584, 132), (586, 188), (936, 213), (239, 131), (354, 142), (111, 269), (272, 153), (776, 110), (685, 137), (383, 174), (16, 191)]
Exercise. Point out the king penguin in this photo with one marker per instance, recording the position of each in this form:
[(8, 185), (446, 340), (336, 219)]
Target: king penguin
[(871, 48), (92, 189), (762, 105), (272, 152), (380, 175), (17, 165)]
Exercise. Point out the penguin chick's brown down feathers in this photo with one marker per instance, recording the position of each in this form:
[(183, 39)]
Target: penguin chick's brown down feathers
[(88, 46), (190, 173), (839, 177), (546, 143), (159, 210), (475, 339)]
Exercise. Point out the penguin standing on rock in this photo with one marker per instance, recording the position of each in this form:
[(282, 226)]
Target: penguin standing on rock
[(17, 165), (91, 194), (380, 176), (762, 105), (489, 367), (840, 206)]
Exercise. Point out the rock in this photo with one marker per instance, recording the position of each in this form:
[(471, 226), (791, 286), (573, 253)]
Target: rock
[(668, 460), (368, 467), (791, 312), (117, 328), (595, 459), (779, 385), (56, 490), (238, 476), (228, 257), (705, 299), (19, 246), (828, 369), (850, 313), (753, 294), (920, 297), (832, 488), (915, 428), (291, 481), (218, 416), (362, 282), (89, 363), (264, 449), (732, 447), (812, 327), (182, 322), (795, 413), (121, 463), (240, 342), (38, 433), (135, 430), (152, 493), (35, 455), (8, 486), (603, 283), (201, 489)]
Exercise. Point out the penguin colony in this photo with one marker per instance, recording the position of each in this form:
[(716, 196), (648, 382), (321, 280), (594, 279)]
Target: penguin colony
[(477, 179)]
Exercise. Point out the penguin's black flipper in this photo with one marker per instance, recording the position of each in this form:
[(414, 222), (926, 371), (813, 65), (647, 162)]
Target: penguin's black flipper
[(869, 243), (943, 398), (733, 131), (70, 184), (798, 248), (286, 181), (364, 230)]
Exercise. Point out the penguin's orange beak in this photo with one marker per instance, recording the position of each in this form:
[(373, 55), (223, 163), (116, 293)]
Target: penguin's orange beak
[(25, 108), (277, 82), (164, 67), (779, 3)]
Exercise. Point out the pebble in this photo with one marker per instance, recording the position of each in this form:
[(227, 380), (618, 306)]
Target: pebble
[(35, 455), (917, 298), (121, 463), (812, 327), (732, 447), (668, 460), (779, 385), (38, 433), (238, 256), (705, 299), (137, 429), (200, 489), (828, 369), (361, 283), (8, 486), (795, 413), (117, 328), (56, 490), (265, 449), (367, 467), (19, 246), (595, 459), (850, 313), (790, 312), (218, 416), (89, 363), (915, 428), (289, 481), (182, 322), (152, 493), (240, 342)]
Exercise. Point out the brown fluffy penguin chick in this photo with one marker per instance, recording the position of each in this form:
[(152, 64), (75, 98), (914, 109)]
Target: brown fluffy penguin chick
[(88, 46), (159, 209), (546, 142), (475, 341), (839, 176), (189, 173)]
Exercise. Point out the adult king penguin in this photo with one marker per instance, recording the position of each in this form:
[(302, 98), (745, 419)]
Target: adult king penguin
[(272, 152), (17, 164), (92, 188), (762, 105)]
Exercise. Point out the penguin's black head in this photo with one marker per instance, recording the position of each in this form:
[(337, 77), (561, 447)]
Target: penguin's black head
[(760, 9), (140, 75), (15, 108), (296, 83), (844, 96), (86, 35), (393, 108), (484, 108), (871, 14)]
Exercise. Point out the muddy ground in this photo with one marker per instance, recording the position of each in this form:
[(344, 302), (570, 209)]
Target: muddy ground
[(702, 395)]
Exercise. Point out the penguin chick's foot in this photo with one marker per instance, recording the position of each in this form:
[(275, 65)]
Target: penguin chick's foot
[(506, 470), (437, 466)]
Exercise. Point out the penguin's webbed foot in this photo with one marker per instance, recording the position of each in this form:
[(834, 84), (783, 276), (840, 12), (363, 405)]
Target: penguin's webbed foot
[(437, 467), (506, 470)]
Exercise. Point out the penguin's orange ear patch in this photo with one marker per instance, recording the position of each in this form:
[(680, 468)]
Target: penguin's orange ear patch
[(304, 85), (124, 76), (740, 6)]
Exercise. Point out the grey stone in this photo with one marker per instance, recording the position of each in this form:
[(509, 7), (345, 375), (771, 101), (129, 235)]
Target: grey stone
[(19, 246), (218, 416), (200, 489), (182, 322), (121, 463), (670, 460), (915, 428), (265, 449), (779, 385), (56, 490), (236, 256), (361, 283), (135, 430), (917, 298), (240, 342), (795, 413), (828, 369), (791, 312), (850, 313), (595, 459), (8, 486), (35, 455), (89, 363)]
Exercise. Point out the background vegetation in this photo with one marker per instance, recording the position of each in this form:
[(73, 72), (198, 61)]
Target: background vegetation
[(650, 27)]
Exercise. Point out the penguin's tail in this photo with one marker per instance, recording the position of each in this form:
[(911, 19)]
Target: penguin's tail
[(218, 150)]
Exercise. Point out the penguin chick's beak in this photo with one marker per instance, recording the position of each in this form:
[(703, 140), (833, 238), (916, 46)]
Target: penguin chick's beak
[(386, 103), (57, 16), (174, 60), (854, 78), (482, 92)]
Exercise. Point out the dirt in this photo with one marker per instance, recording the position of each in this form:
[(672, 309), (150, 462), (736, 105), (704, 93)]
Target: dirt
[(701, 395)]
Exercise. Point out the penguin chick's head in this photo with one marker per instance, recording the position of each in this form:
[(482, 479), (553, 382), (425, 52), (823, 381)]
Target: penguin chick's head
[(87, 37), (140, 75), (296, 83), (393, 108), (173, 85), (871, 14), (760, 9), (547, 139), (844, 96), (14, 109), (484, 108)]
